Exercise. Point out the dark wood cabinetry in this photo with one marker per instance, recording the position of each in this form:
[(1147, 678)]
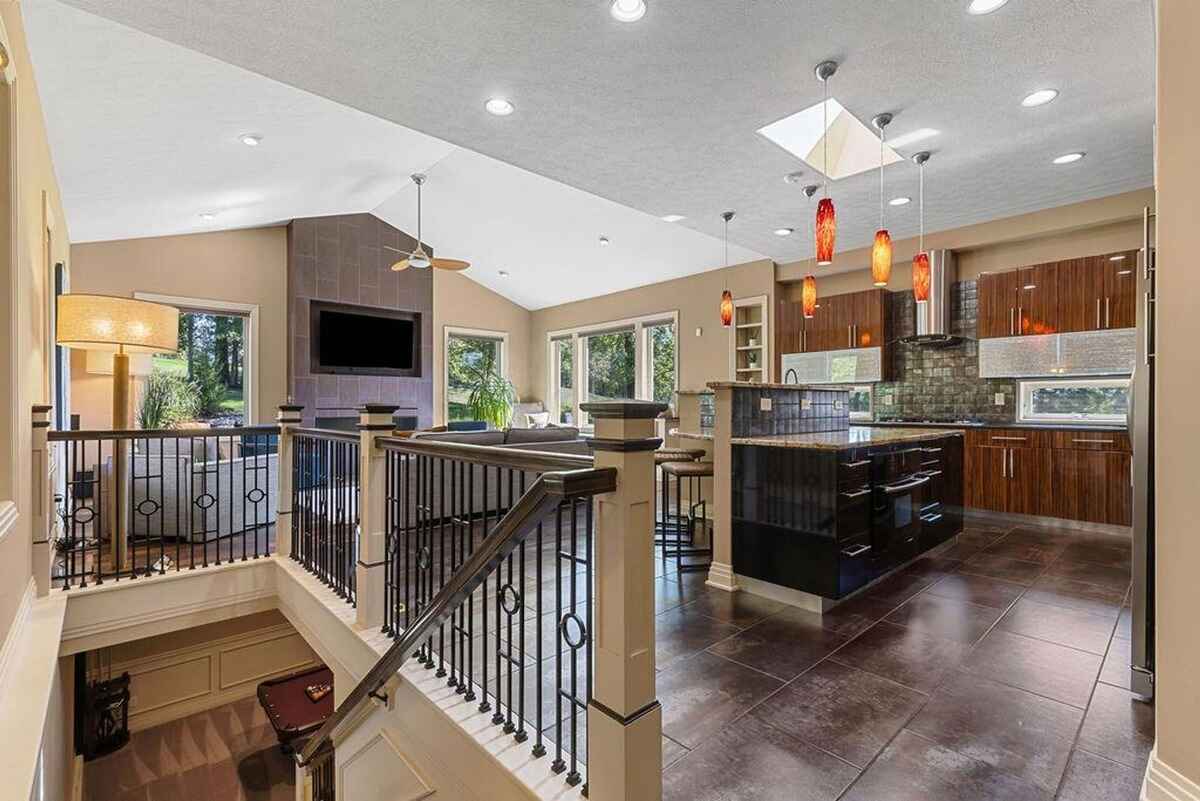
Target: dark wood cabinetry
[(1074, 475), (1086, 294), (853, 320)]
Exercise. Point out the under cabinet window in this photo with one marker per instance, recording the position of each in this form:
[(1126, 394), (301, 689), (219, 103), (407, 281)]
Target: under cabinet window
[(860, 403), (1097, 400)]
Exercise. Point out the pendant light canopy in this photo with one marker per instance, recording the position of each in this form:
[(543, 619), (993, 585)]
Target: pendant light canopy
[(920, 266), (418, 258), (881, 251), (726, 295), (808, 292), (826, 222)]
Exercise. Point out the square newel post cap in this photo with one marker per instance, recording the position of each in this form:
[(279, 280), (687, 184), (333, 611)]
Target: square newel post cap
[(376, 417), (611, 411), (289, 413), (41, 415), (624, 410)]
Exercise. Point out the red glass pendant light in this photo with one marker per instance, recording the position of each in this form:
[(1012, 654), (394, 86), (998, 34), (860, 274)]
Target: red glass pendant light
[(808, 296), (825, 231), (921, 275), (726, 295), (881, 251)]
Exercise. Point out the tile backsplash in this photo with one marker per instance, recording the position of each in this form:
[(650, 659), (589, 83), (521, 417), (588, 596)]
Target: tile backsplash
[(793, 411), (941, 383)]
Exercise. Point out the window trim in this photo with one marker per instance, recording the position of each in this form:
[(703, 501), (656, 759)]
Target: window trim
[(643, 380), (250, 349), (1026, 388), (449, 331)]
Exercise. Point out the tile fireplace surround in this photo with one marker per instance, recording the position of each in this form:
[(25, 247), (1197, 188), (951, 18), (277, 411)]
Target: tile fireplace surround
[(343, 259)]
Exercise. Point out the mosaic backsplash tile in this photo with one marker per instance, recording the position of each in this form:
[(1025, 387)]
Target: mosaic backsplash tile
[(793, 411)]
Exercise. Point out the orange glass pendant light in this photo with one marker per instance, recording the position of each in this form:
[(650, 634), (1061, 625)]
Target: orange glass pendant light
[(920, 265), (825, 231), (881, 251), (726, 295), (808, 296)]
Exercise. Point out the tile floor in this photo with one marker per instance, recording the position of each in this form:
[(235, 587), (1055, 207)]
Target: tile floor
[(226, 754), (995, 670)]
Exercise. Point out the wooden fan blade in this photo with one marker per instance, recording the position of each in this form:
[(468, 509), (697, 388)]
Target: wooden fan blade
[(400, 265), (451, 264)]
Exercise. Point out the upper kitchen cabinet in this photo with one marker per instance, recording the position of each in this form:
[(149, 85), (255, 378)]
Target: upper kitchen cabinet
[(840, 322), (1094, 293)]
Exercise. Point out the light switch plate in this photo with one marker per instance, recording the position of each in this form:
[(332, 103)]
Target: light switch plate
[(699, 332), (999, 400), (764, 404)]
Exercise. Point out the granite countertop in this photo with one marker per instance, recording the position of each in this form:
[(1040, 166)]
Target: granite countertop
[(960, 425), (770, 385), (841, 440), (693, 392), (703, 434)]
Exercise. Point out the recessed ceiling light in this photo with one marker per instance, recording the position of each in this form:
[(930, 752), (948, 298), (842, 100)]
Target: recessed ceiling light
[(603, 241), (984, 6), (1069, 158), (1039, 98), (208, 216), (499, 106), (251, 139), (672, 217), (1118, 257), (900, 201), (627, 10), (784, 231), (502, 273)]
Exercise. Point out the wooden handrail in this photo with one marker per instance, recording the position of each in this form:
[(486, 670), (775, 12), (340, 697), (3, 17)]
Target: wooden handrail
[(492, 455), (546, 493), (162, 433), (327, 433)]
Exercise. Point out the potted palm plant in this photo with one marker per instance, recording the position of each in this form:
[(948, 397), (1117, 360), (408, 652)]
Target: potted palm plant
[(492, 396)]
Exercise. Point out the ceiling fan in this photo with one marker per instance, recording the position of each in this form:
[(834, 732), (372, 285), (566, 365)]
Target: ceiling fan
[(418, 258)]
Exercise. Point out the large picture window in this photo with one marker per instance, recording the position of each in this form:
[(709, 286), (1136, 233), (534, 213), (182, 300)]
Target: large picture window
[(1098, 400), (471, 356), (632, 359)]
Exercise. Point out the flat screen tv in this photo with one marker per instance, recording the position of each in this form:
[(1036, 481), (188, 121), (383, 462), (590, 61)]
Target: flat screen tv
[(362, 340)]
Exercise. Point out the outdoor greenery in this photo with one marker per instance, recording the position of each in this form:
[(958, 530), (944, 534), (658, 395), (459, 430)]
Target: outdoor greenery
[(476, 390), (210, 364), (611, 365), (167, 399), (662, 349)]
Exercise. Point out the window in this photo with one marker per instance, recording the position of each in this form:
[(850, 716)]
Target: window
[(860, 403), (621, 360), (1100, 400), (474, 359)]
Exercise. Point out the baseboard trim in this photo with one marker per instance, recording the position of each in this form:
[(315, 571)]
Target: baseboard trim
[(1164, 783), (722, 577)]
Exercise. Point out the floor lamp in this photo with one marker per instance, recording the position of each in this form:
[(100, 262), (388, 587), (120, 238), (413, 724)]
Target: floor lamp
[(121, 326)]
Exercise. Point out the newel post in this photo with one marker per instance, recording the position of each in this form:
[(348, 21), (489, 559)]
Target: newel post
[(42, 500), (289, 418), (374, 421), (624, 723)]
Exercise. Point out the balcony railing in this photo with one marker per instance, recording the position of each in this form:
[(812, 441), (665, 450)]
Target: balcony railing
[(325, 493)]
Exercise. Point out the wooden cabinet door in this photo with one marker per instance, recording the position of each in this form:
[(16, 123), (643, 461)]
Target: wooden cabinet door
[(1028, 471), (1080, 295), (1037, 299), (1119, 500), (1120, 290), (869, 317), (1092, 486), (832, 319), (983, 473), (997, 299)]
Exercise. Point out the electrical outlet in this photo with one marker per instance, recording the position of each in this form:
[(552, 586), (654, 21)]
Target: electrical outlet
[(764, 404), (999, 399), (837, 405), (806, 403), (699, 332)]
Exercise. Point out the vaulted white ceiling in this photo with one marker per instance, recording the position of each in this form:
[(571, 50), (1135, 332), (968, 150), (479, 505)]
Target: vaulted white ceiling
[(658, 117)]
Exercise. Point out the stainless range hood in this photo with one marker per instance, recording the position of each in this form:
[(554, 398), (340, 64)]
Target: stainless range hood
[(933, 315)]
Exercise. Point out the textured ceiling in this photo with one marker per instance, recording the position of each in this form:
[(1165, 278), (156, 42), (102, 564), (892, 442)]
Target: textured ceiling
[(661, 115)]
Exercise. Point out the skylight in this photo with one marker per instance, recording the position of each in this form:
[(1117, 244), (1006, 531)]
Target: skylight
[(853, 146)]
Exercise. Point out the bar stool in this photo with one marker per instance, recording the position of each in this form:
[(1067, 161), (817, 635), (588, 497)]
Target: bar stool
[(662, 520), (693, 473)]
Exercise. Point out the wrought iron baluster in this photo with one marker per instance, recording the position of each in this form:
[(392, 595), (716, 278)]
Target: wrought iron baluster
[(558, 766)]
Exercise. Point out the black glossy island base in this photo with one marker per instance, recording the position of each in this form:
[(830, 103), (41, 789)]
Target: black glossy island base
[(827, 518)]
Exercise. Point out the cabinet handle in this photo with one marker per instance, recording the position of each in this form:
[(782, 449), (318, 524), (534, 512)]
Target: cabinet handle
[(1097, 441), (1147, 326), (857, 550), (1010, 321), (1097, 313), (1020, 320), (1107, 324), (1012, 462), (849, 336), (859, 463), (932, 473), (895, 489), (1007, 439), (857, 494), (1004, 463)]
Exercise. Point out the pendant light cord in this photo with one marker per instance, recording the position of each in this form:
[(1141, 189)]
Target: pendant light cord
[(419, 246), (825, 143), (881, 127), (921, 195)]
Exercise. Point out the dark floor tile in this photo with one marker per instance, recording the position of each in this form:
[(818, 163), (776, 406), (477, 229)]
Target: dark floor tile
[(934, 568), (1003, 568), (1118, 727), (1072, 594), (1115, 670), (897, 589), (977, 590), (679, 635), (1092, 778), (850, 618), (845, 711), (751, 760), (960, 551), (1041, 553), (1010, 729), (1045, 668), (702, 694), (946, 617), (1087, 631), (1108, 551), (1114, 578), (913, 768), (739, 608), (676, 590), (672, 752), (980, 535), (1038, 535), (912, 658), (784, 645)]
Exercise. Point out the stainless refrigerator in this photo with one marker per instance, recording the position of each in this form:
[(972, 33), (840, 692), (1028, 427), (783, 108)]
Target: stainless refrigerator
[(1141, 430)]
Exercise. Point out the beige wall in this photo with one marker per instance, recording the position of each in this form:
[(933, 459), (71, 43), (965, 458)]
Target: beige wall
[(697, 298), (1177, 677), (1090, 228), (23, 305), (462, 303), (245, 266)]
